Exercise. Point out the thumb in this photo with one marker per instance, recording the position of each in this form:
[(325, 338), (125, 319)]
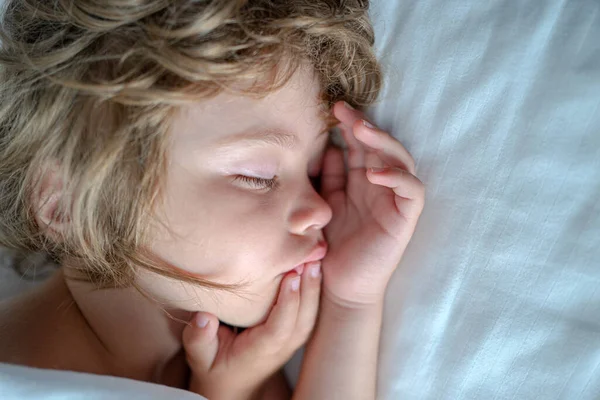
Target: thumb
[(201, 342)]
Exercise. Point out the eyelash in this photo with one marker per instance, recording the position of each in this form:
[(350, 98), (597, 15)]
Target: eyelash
[(259, 183)]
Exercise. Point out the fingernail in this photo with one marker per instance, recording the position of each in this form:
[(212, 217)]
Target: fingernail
[(378, 169), (348, 106), (295, 284), (201, 321), (315, 270), (368, 124)]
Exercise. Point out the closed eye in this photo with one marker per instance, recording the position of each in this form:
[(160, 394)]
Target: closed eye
[(258, 183)]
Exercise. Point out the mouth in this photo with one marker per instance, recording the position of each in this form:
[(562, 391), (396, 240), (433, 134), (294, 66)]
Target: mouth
[(316, 254)]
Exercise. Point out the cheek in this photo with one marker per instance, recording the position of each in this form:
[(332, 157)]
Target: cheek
[(221, 235), (250, 241)]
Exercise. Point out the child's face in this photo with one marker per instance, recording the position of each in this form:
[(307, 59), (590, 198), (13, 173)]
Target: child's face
[(227, 227)]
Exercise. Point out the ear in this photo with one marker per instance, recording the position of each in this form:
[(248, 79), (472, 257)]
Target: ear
[(49, 203)]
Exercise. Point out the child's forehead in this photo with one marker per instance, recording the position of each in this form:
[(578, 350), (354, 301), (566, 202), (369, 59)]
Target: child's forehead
[(302, 89), (296, 108)]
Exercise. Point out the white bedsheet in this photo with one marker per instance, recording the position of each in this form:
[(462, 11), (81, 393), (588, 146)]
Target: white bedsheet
[(499, 101), (20, 383)]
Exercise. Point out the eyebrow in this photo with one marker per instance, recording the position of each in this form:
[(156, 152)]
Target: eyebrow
[(281, 139)]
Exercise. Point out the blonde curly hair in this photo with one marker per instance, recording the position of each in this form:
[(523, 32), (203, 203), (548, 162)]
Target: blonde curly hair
[(88, 90)]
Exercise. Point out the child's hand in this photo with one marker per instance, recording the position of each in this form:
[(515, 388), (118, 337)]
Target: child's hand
[(374, 211), (226, 365)]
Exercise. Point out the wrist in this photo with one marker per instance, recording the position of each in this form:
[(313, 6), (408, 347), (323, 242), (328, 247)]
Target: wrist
[(231, 391), (333, 305), (354, 293)]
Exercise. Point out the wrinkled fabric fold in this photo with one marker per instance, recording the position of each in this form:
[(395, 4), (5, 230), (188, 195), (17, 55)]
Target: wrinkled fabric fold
[(499, 103)]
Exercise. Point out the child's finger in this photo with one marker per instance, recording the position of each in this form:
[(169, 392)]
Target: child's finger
[(309, 301), (347, 118), (201, 341), (404, 185), (346, 114), (333, 174), (388, 148), (275, 332), (372, 159)]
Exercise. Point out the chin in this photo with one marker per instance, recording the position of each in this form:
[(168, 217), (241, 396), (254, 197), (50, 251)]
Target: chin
[(246, 320)]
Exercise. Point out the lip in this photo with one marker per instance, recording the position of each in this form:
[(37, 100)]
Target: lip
[(316, 254)]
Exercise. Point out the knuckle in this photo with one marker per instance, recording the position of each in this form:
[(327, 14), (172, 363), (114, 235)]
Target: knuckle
[(271, 331), (420, 190), (410, 161), (304, 331), (300, 341), (277, 343), (191, 361), (277, 337), (189, 358), (421, 187)]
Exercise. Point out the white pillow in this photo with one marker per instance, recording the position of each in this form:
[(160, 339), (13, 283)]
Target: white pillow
[(498, 294), (22, 383)]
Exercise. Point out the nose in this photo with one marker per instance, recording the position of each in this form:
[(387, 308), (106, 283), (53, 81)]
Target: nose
[(310, 212)]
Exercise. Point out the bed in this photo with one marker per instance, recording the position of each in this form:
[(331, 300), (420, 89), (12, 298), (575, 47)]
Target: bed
[(499, 102)]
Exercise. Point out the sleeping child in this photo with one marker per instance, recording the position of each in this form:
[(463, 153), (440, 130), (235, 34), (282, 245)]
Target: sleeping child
[(173, 158)]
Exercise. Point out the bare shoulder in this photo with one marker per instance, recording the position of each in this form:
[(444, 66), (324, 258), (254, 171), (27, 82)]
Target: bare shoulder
[(40, 329), (19, 332)]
